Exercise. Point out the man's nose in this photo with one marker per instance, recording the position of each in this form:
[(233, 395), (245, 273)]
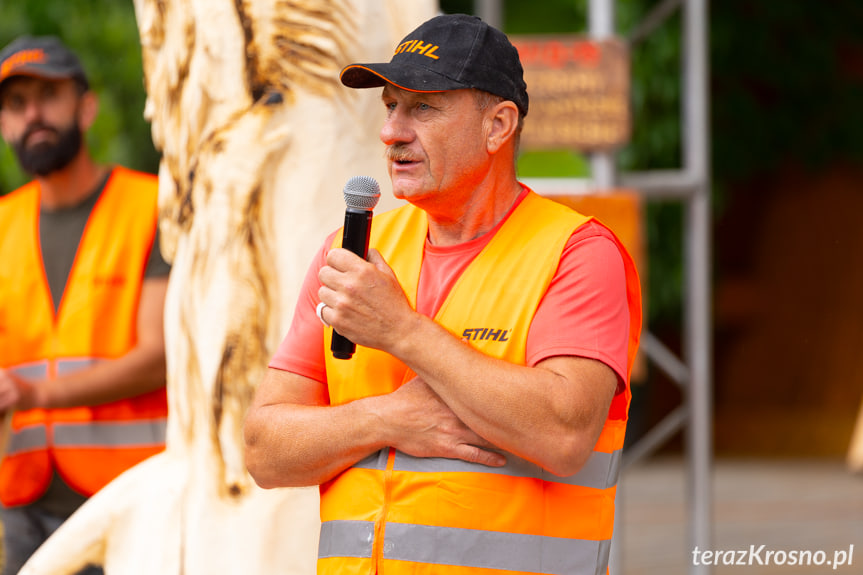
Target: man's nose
[(32, 110), (395, 129)]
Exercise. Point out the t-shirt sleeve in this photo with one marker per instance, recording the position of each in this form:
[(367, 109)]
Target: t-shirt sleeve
[(585, 312), (302, 349)]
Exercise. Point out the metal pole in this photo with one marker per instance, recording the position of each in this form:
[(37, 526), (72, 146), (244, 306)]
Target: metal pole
[(698, 257), (601, 26), (603, 172), (490, 11), (601, 18), (602, 169)]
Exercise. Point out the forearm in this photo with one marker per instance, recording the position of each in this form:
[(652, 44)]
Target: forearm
[(139, 371), (294, 439), (547, 414), (291, 445)]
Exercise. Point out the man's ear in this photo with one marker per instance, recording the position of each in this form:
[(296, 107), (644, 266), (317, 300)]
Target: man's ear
[(88, 109), (504, 122)]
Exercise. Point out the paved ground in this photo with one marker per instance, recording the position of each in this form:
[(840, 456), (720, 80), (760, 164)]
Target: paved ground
[(789, 505), (785, 505)]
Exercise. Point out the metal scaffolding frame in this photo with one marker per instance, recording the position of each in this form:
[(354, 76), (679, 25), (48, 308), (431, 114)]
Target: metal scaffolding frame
[(691, 186)]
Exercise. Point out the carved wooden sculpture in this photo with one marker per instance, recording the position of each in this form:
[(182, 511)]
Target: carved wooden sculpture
[(258, 139)]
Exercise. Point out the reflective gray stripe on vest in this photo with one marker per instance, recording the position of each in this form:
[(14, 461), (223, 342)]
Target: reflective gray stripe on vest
[(29, 438), (377, 460), (467, 547), (599, 472), (110, 434), (38, 370), (346, 539), (65, 366)]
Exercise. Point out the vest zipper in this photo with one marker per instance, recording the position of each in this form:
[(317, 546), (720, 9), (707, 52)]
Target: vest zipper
[(381, 525)]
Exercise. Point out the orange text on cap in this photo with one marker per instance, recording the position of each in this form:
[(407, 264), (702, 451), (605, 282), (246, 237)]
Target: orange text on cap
[(20, 59)]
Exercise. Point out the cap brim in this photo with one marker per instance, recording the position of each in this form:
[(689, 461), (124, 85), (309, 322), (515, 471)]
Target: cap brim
[(39, 72), (411, 78)]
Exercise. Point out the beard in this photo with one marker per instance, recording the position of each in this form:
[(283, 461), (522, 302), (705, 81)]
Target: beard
[(46, 157)]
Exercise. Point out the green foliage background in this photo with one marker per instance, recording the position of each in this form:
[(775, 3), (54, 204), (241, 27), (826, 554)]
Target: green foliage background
[(104, 34), (787, 85)]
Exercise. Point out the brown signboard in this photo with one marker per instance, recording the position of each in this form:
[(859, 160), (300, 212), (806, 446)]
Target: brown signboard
[(579, 92)]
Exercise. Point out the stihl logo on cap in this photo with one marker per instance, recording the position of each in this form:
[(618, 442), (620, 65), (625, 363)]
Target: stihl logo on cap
[(22, 58), (418, 46)]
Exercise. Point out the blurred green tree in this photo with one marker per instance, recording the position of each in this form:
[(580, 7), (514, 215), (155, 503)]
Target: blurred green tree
[(787, 82), (104, 34)]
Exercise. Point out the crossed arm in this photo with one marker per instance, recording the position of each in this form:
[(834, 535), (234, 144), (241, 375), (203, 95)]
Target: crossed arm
[(461, 405)]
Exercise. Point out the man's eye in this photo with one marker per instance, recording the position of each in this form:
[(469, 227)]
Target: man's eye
[(423, 106), (48, 92), (13, 103)]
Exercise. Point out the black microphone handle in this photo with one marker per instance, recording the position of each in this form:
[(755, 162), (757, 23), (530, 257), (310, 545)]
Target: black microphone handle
[(358, 227)]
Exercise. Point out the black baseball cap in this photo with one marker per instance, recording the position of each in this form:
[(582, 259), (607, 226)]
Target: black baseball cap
[(40, 57), (449, 52)]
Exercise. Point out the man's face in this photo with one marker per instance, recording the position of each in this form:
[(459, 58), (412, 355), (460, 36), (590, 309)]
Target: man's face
[(436, 146), (39, 120)]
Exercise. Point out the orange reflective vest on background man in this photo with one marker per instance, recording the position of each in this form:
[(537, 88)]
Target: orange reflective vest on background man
[(96, 320), (393, 513)]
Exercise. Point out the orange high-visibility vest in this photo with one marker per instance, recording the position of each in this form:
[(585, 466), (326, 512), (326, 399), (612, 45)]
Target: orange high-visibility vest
[(96, 320), (395, 514)]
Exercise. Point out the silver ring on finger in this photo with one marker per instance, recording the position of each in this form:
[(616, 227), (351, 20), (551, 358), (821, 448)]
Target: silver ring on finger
[(319, 311)]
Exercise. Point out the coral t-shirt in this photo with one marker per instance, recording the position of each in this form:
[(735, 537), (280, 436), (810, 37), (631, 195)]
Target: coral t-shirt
[(583, 313)]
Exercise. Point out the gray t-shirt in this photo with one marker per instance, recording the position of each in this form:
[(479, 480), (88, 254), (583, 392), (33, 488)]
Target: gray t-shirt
[(60, 232)]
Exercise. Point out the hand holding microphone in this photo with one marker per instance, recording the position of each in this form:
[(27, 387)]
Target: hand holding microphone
[(361, 196)]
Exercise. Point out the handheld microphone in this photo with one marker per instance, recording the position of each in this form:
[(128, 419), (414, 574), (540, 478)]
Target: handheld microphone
[(361, 196)]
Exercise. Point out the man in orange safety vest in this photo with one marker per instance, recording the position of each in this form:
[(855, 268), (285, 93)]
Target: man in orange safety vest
[(478, 426), (82, 289)]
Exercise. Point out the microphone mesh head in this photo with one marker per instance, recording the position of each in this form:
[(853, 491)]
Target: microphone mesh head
[(362, 193)]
